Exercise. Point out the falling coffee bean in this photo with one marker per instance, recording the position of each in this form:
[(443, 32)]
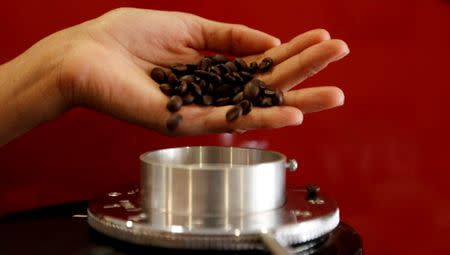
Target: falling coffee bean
[(158, 75), (246, 106), (174, 104), (238, 97), (234, 113), (265, 65), (174, 121)]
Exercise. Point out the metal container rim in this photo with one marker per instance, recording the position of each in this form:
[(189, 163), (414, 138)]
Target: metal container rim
[(144, 157)]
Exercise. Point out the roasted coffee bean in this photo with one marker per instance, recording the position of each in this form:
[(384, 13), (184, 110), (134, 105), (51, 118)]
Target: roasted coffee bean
[(225, 90), (257, 101), (202, 74), (174, 104), (166, 89), (219, 59), (240, 64), (207, 100), (174, 121), (210, 89), (203, 85), (269, 92), (195, 89), (205, 64), (188, 99), (253, 67), (265, 65), (223, 101), (261, 84), (216, 78), (231, 66), (237, 89), (158, 75), (246, 76), (187, 78), (229, 78), (234, 113), (238, 98), (182, 88), (217, 81), (251, 90), (172, 79), (223, 69), (191, 67), (216, 70), (246, 106), (266, 102), (238, 78), (278, 98), (179, 69), (212, 77)]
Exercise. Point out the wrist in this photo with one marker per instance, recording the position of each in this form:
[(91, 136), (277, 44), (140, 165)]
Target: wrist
[(30, 91)]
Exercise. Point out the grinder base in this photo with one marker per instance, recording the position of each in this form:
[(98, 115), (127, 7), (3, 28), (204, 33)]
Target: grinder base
[(301, 219)]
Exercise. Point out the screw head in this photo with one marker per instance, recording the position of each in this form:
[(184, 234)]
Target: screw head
[(292, 165), (312, 192)]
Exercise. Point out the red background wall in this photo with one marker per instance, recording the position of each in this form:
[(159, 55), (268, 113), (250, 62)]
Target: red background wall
[(383, 156)]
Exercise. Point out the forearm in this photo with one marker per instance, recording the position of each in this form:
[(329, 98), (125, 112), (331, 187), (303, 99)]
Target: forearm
[(29, 89)]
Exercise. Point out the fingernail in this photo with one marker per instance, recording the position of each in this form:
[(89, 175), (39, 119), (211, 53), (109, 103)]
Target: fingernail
[(240, 131), (346, 51), (277, 41)]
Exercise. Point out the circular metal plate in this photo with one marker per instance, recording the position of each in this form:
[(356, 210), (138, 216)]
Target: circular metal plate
[(119, 215)]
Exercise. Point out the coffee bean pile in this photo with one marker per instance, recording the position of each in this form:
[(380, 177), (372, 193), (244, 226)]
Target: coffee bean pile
[(216, 81)]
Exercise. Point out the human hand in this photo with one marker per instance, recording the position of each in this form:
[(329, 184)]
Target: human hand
[(105, 64)]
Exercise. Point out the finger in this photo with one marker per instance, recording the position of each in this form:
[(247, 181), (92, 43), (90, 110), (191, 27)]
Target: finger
[(315, 99), (293, 47), (233, 39), (305, 64), (197, 121)]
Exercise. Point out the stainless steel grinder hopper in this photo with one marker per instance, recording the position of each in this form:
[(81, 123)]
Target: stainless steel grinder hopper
[(222, 198)]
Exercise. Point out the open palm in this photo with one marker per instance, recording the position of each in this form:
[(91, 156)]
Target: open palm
[(109, 68)]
